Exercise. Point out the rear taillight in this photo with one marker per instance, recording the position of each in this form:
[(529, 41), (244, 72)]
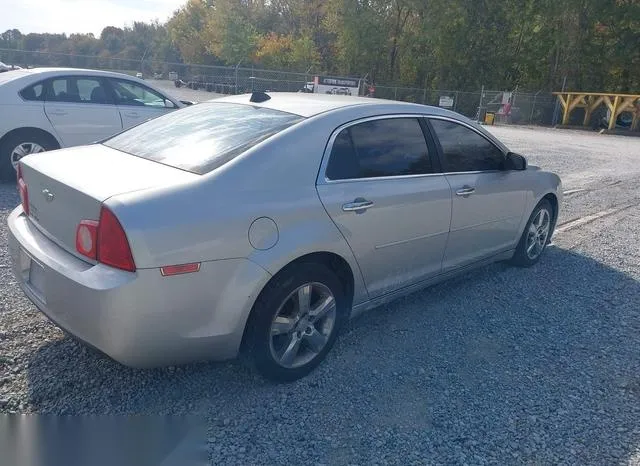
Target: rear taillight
[(22, 189), (105, 241), (87, 238)]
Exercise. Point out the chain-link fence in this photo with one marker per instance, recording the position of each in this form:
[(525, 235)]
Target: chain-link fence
[(509, 107)]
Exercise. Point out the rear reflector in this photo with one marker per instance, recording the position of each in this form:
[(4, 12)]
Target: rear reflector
[(87, 238), (169, 270)]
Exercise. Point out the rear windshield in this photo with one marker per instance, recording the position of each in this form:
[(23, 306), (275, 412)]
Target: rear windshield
[(10, 75), (202, 137)]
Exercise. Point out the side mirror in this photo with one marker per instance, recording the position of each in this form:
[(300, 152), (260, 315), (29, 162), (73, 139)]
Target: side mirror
[(169, 104), (515, 162)]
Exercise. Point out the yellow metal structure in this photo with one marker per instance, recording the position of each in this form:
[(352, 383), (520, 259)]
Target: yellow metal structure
[(489, 118), (617, 103)]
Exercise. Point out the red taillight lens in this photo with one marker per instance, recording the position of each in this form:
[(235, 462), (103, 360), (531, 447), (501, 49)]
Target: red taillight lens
[(87, 238), (112, 244), (22, 189)]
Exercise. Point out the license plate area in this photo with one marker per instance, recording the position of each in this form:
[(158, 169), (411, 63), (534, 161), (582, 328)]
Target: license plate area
[(33, 274)]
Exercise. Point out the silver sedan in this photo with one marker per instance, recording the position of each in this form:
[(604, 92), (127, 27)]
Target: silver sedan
[(259, 224)]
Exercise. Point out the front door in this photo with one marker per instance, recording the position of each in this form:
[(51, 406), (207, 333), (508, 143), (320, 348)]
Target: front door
[(488, 201), (138, 103), (393, 208), (81, 110)]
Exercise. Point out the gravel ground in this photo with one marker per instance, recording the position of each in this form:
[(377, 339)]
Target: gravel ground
[(500, 366)]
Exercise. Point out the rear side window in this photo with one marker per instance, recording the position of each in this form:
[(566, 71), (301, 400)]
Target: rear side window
[(202, 137), (78, 89), (385, 147), (33, 92)]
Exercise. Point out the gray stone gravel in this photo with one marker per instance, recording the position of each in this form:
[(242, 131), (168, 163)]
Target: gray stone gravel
[(500, 366)]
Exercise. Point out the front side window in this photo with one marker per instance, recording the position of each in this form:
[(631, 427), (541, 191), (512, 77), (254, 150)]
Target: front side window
[(33, 92), (78, 89), (465, 150), (134, 94), (202, 137), (378, 148)]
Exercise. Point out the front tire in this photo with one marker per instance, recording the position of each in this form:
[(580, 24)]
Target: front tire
[(535, 237), (295, 322)]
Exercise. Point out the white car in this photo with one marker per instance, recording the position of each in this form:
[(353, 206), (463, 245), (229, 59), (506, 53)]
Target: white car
[(49, 108)]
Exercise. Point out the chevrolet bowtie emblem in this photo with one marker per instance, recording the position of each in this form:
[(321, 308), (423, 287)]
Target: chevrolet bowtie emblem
[(48, 195)]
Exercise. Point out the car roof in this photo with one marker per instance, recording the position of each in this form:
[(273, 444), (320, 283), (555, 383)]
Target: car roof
[(308, 105), (39, 73), (59, 70)]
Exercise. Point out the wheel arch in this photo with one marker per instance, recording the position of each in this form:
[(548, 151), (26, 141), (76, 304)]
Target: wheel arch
[(30, 130), (553, 200), (334, 262)]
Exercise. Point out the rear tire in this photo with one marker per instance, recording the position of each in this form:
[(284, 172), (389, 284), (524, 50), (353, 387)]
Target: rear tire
[(535, 237), (280, 326), (29, 141)]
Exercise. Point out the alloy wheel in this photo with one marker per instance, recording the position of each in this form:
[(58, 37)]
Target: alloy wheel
[(22, 149), (538, 234), (302, 326)]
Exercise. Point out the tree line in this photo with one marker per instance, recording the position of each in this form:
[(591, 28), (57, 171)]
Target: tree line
[(589, 45)]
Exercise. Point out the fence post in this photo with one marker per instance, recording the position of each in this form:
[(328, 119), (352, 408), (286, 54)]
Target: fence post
[(395, 93), (236, 76), (424, 97), (556, 109), (533, 106), (455, 101), (480, 105)]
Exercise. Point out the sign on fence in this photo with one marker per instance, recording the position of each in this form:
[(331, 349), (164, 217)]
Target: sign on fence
[(446, 101), (341, 86)]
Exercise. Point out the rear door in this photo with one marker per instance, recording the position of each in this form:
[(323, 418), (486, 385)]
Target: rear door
[(488, 201), (137, 102), (380, 185), (81, 109)]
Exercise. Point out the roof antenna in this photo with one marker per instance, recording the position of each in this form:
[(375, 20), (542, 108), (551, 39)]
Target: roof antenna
[(259, 96)]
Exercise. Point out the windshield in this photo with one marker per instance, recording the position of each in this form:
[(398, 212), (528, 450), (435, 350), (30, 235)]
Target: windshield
[(202, 137)]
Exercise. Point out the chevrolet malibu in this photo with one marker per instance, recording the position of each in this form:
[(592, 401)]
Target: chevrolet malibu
[(257, 225)]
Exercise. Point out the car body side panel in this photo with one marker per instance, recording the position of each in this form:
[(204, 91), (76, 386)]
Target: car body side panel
[(25, 115), (539, 183), (172, 228), (83, 123), (401, 238), (487, 221)]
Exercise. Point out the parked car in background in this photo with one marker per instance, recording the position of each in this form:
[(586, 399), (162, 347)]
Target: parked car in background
[(260, 224), (48, 108), (4, 67), (139, 76)]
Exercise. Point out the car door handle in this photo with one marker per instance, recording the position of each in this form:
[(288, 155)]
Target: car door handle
[(465, 191), (57, 112), (358, 204), (131, 114)]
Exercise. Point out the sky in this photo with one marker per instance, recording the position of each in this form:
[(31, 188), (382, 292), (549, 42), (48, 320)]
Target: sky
[(69, 16)]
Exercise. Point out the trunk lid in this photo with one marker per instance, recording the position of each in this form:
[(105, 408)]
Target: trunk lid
[(69, 185)]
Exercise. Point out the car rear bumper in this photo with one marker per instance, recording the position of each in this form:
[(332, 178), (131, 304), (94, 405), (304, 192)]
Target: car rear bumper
[(140, 319)]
